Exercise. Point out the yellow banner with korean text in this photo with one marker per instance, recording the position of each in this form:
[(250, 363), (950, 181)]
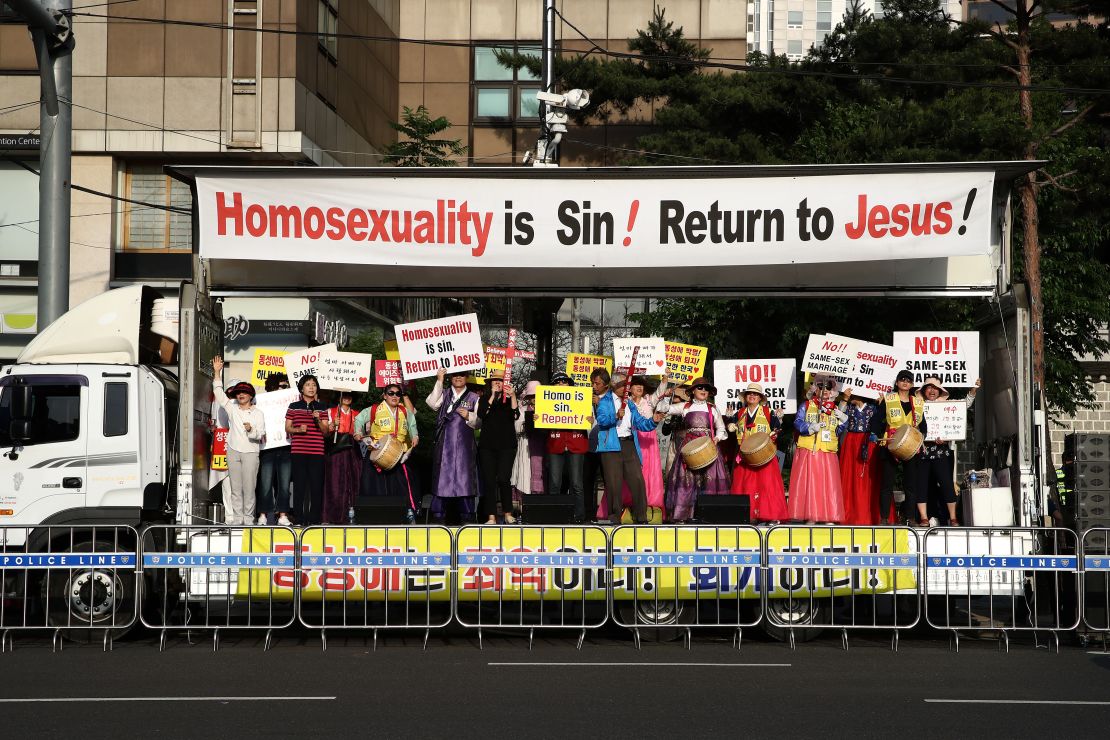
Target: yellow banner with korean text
[(685, 361), (267, 362), (579, 366)]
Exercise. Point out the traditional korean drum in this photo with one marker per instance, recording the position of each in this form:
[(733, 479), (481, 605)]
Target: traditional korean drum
[(758, 449), (699, 453), (388, 452), (905, 443)]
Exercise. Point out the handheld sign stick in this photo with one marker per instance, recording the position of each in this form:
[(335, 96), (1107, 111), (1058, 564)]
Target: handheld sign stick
[(510, 351), (631, 369)]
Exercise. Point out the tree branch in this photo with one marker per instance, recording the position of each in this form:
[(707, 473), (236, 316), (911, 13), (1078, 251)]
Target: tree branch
[(1055, 181), (1078, 117)]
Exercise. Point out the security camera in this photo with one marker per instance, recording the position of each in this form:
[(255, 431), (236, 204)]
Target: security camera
[(572, 99)]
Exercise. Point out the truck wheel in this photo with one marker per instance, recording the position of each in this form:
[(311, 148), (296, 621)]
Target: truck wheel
[(663, 620), (84, 601), (794, 614)]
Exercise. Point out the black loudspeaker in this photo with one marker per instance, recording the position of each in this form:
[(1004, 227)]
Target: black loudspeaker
[(1086, 447), (380, 509), (724, 509), (542, 508)]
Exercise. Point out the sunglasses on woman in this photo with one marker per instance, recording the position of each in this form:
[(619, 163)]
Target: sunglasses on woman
[(391, 393), (701, 387)]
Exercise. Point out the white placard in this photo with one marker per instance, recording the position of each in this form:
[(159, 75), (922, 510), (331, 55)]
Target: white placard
[(453, 343), (346, 371), (651, 359), (946, 419), (825, 355), (305, 362), (779, 378), (273, 405), (873, 367), (952, 356), (601, 222)]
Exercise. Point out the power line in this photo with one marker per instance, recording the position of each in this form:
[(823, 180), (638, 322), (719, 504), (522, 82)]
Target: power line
[(709, 63), (121, 199), (646, 152)]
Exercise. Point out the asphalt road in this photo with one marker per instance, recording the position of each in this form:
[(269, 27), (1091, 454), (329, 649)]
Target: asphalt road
[(607, 689)]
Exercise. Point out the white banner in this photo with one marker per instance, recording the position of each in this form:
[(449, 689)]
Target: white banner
[(873, 367), (946, 419), (553, 221), (952, 356), (778, 377), (651, 359), (306, 362), (453, 343), (273, 406), (346, 371)]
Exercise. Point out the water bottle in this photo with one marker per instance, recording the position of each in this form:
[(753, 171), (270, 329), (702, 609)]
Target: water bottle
[(973, 477), (350, 515)]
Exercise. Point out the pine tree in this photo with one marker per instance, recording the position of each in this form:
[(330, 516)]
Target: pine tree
[(420, 148)]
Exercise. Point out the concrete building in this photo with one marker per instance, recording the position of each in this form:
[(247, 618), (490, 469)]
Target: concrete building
[(159, 82)]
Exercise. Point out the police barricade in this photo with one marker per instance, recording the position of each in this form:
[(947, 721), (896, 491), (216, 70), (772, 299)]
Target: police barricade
[(218, 578), (686, 577), (531, 577), (375, 578), (841, 577), (990, 582), (1096, 580), (73, 580)]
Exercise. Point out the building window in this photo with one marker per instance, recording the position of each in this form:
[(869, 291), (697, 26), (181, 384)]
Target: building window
[(794, 47), (824, 15), (147, 228), (794, 19), (502, 93), (327, 25)]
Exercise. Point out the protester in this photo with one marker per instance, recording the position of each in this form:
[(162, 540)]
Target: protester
[(859, 464), (305, 422), (343, 466), (454, 464), (275, 471), (246, 428), (565, 453), (498, 410), (815, 495), (698, 418), (649, 447), (388, 419), (895, 410), (528, 465), (936, 466), (762, 484), (618, 447)]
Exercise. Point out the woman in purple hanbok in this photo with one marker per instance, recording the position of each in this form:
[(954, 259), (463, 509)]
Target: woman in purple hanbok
[(700, 418), (454, 466)]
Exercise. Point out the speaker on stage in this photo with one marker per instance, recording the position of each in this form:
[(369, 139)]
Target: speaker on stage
[(723, 509), (380, 509), (542, 508)]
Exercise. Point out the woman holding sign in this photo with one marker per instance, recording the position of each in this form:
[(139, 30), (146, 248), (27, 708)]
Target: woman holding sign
[(815, 494), (937, 464), (454, 462), (498, 410), (699, 419), (343, 465), (761, 483)]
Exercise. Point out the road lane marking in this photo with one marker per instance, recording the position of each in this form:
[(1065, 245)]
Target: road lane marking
[(1016, 701), (62, 699), (652, 665)]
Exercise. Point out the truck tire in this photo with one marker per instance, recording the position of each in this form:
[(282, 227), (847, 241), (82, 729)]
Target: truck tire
[(792, 614), (83, 602), (662, 621)]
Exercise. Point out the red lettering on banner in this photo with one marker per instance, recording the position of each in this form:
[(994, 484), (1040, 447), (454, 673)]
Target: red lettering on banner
[(918, 219)]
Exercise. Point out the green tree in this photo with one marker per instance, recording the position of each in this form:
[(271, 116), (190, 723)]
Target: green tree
[(420, 147)]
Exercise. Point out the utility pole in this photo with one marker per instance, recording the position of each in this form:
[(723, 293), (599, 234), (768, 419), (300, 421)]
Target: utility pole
[(53, 38), (546, 147)]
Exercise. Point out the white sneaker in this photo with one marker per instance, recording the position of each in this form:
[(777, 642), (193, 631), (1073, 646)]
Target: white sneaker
[(262, 520), (283, 521)]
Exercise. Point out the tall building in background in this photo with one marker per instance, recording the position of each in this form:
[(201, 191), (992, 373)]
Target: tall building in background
[(792, 27)]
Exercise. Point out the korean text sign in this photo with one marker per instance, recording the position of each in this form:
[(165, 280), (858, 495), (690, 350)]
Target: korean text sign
[(685, 361), (580, 366)]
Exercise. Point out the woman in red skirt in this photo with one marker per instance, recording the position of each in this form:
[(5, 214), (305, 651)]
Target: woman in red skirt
[(859, 465), (763, 484)]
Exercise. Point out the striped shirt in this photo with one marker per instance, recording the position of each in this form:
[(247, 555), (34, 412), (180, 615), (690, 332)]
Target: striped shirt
[(312, 441)]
